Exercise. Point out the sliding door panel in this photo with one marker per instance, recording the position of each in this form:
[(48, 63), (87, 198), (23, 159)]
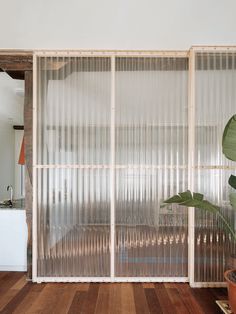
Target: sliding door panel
[(151, 164), (73, 166), (215, 79)]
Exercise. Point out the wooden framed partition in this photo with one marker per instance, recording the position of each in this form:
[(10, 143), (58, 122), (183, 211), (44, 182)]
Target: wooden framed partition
[(19, 65), (61, 138)]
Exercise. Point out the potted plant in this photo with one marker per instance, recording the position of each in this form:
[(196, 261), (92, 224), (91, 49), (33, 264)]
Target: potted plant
[(197, 200)]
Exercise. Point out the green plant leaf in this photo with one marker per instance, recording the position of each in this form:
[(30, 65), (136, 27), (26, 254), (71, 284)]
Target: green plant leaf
[(197, 200), (186, 195), (192, 200), (232, 198), (229, 139), (198, 196), (232, 181), (174, 199)]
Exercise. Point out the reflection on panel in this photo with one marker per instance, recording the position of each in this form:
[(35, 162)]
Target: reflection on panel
[(215, 104), (149, 241), (73, 222), (151, 164)]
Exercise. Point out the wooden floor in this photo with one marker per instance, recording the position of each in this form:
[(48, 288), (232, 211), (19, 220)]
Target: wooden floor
[(19, 296)]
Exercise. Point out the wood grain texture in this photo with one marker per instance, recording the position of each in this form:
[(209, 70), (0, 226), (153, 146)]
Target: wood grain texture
[(77, 303), (91, 297), (164, 299), (20, 296), (152, 300), (141, 305), (16, 62), (10, 287), (29, 299), (102, 306), (206, 300), (127, 298), (115, 298), (177, 301), (28, 140)]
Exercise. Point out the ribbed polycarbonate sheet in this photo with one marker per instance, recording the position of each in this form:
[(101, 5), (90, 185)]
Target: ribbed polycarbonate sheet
[(86, 108), (112, 143), (73, 166), (151, 164), (215, 90)]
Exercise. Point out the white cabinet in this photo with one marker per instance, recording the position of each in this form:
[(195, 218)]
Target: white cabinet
[(13, 240)]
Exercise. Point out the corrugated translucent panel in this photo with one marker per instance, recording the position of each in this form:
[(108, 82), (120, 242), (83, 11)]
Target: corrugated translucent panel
[(73, 110), (73, 175), (215, 104), (151, 164)]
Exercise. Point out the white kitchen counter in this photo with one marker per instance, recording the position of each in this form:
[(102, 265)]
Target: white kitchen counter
[(13, 240)]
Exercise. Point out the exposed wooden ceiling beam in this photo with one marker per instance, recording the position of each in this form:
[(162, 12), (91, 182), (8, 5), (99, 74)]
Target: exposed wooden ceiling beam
[(16, 62)]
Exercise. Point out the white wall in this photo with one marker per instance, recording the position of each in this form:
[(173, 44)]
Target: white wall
[(123, 24), (11, 112), (11, 104), (7, 158)]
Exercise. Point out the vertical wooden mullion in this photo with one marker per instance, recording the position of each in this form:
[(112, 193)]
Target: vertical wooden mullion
[(112, 170), (191, 162)]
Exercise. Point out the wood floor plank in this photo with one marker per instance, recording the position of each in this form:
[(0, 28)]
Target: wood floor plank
[(219, 293), (30, 298), (152, 300), (102, 306), (77, 303), (164, 299), (115, 298), (140, 300), (82, 286), (90, 301), (9, 280), (177, 302), (188, 299), (2, 274), (170, 285), (47, 299), (20, 283), (148, 285), (12, 291), (15, 301), (21, 297), (206, 300), (66, 298), (127, 299)]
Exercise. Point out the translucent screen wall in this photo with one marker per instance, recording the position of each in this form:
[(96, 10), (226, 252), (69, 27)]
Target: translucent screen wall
[(215, 90), (151, 164), (111, 145), (73, 175)]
